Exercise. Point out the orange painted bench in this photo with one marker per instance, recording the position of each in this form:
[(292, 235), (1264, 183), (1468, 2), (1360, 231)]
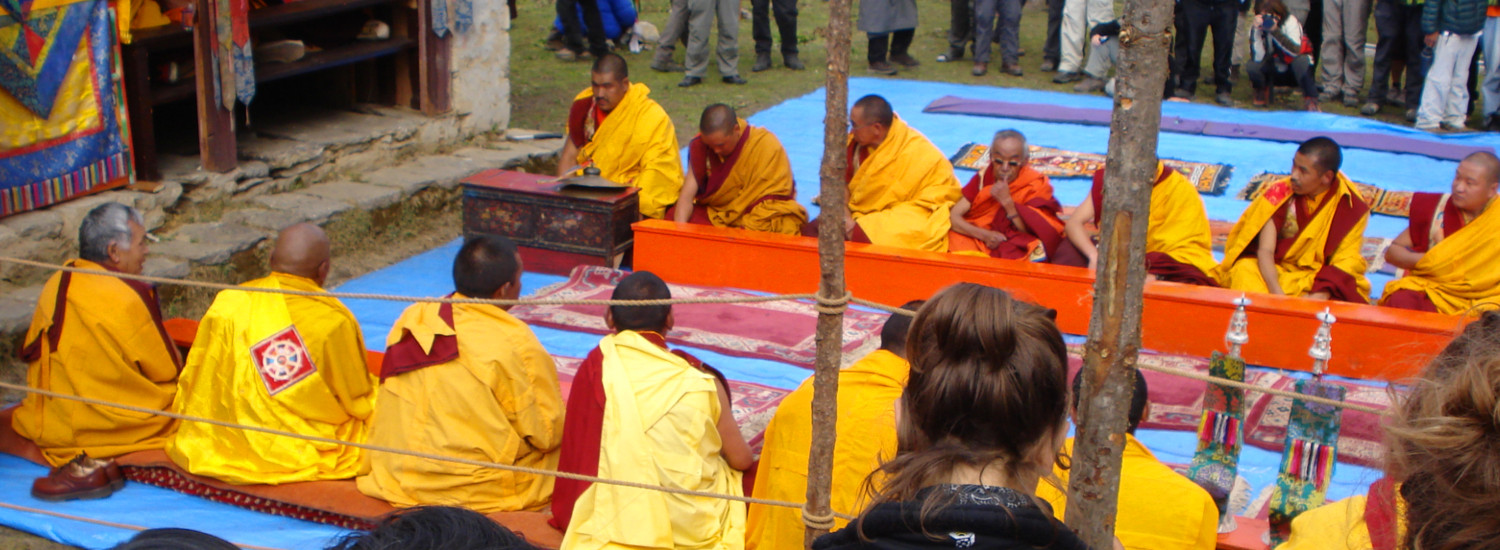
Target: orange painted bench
[(1369, 342)]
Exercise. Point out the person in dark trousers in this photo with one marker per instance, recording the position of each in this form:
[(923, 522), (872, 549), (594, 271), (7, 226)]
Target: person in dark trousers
[(573, 33), (1280, 54), (960, 29), (785, 12), (1197, 18), (890, 26), (1006, 31), (1399, 26), (1052, 48)]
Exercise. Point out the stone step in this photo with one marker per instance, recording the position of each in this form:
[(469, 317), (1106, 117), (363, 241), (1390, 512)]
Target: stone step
[(301, 207), (363, 196), (209, 243)]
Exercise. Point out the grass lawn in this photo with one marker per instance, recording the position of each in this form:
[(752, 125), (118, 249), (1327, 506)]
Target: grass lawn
[(542, 87)]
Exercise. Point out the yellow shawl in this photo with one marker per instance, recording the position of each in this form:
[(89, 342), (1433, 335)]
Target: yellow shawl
[(1299, 267), (902, 193), (1460, 271), (1179, 223), (637, 144), (751, 194)]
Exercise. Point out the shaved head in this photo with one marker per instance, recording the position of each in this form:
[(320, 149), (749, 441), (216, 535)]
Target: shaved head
[(717, 119), (875, 109), (613, 65), (641, 285), (1323, 151), (302, 250), (1488, 162)]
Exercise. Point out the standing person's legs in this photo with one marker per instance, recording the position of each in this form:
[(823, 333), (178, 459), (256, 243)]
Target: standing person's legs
[(1242, 39), (1225, 18), (1099, 13), (1190, 44), (1415, 77), (1440, 82), (1052, 47), (1491, 85), (1302, 70), (1009, 29), (785, 12), (567, 12), (728, 14), (1260, 77), (760, 26), (595, 31), (700, 25), (984, 31), (960, 27), (879, 43), (1457, 110), (1074, 34), (1388, 34), (1356, 24), (1333, 47), (901, 42), (671, 34)]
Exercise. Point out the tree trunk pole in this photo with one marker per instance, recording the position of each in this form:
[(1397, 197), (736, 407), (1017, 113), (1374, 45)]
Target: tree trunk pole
[(1115, 328), (834, 203)]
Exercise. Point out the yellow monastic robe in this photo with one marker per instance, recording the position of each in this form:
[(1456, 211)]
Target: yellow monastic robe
[(290, 363), (757, 192), (1333, 526), (660, 428), (1158, 508), (497, 401), (866, 435), (1179, 223), (1462, 270), (901, 194), (637, 144), (1305, 256), (106, 342)]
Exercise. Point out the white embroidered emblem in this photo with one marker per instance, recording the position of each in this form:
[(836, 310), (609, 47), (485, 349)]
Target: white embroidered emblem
[(962, 540), (282, 360)]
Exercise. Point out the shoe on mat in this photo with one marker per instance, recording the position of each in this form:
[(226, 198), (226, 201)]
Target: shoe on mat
[(762, 62), (82, 478), (882, 67), (1067, 77), (1450, 127), (689, 81), (905, 60), (735, 79), (791, 61), (1222, 98), (1411, 115), (1369, 108), (1089, 85)]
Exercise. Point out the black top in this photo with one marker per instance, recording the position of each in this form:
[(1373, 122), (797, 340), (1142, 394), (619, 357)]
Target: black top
[(981, 517)]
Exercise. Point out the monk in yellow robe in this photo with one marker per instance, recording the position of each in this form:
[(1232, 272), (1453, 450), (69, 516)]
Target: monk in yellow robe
[(901, 187), (666, 423), (290, 363), (1303, 235), (738, 176), (1158, 508), (99, 337), (1451, 251), (1359, 522), (867, 396), (1178, 242), (616, 127), (1007, 210), (467, 381)]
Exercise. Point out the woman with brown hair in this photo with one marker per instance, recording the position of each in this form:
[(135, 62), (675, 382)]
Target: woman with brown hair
[(978, 426)]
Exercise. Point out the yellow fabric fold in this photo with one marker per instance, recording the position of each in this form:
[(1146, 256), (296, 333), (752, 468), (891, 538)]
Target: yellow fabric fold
[(762, 170), (1299, 267), (1462, 271), (1179, 223), (637, 144), (901, 195), (1158, 509), (292, 363), (660, 428), (1332, 526), (867, 396), (498, 402)]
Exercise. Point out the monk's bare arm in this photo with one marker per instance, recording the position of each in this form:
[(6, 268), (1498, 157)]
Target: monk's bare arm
[(684, 211), (736, 452), (1400, 253), (1078, 234), (1265, 258), (961, 225), (1012, 213), (568, 159)]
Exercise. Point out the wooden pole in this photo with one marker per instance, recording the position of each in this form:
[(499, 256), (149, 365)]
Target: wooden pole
[(1115, 327), (834, 202)]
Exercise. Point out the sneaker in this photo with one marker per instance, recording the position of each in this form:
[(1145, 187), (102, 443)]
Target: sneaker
[(1184, 94), (1369, 108), (954, 54), (1328, 95), (82, 478), (567, 55), (1351, 100), (791, 62), (1067, 77), (554, 42), (1396, 97), (1311, 105), (1450, 127), (1013, 69), (882, 67), (1089, 85), (1411, 115), (1262, 97), (689, 81), (905, 60), (1048, 65), (762, 62), (735, 80), (1222, 98), (668, 66), (280, 51), (980, 69)]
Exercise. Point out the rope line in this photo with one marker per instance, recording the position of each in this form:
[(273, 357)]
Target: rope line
[(1269, 391), (405, 452), (126, 526)]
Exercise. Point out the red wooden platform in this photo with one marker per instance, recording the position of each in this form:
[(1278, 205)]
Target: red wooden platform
[(1369, 342)]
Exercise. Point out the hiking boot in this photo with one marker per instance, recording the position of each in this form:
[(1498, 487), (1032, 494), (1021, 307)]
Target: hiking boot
[(1328, 95), (1451, 127), (905, 60), (1089, 85), (568, 55), (1311, 105), (1067, 77), (1013, 69), (668, 66), (1370, 108), (980, 69), (82, 478), (1262, 97), (736, 80), (1222, 98), (791, 61), (882, 67), (689, 81), (555, 42), (1411, 115), (1396, 97), (1351, 101), (1183, 94), (1048, 65), (762, 62), (954, 54)]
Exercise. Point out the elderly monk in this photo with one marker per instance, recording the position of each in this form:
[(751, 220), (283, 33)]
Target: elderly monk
[(616, 127), (1178, 243), (1451, 251), (1302, 236), (289, 363), (901, 187), (99, 337), (478, 363), (1158, 509), (1007, 210), (740, 177), (867, 394), (643, 413)]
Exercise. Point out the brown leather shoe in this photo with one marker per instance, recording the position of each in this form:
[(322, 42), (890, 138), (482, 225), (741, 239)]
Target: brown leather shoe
[(82, 478)]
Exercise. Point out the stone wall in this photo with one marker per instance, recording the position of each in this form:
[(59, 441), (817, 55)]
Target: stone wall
[(481, 70)]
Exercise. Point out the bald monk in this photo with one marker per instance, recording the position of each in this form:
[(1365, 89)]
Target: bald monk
[(467, 381), (1302, 236), (738, 176), (1007, 210), (616, 127), (1178, 242), (99, 337), (901, 187), (643, 413), (867, 396), (1451, 251), (290, 363)]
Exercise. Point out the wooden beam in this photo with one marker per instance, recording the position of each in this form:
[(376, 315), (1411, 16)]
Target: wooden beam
[(216, 141), (138, 106), (433, 55)]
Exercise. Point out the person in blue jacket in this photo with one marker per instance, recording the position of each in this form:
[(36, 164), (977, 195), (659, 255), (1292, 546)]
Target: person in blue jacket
[(616, 16)]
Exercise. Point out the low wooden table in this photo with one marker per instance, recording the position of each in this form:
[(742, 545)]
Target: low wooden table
[(557, 229)]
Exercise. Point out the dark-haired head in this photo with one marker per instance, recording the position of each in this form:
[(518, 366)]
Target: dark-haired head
[(1139, 400), (175, 539), (487, 266), (434, 528), (719, 129), (1271, 7), (870, 120), (1315, 167), (610, 81), (641, 285), (893, 332)]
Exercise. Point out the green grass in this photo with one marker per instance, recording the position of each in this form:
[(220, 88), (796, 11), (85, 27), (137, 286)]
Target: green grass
[(542, 87)]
